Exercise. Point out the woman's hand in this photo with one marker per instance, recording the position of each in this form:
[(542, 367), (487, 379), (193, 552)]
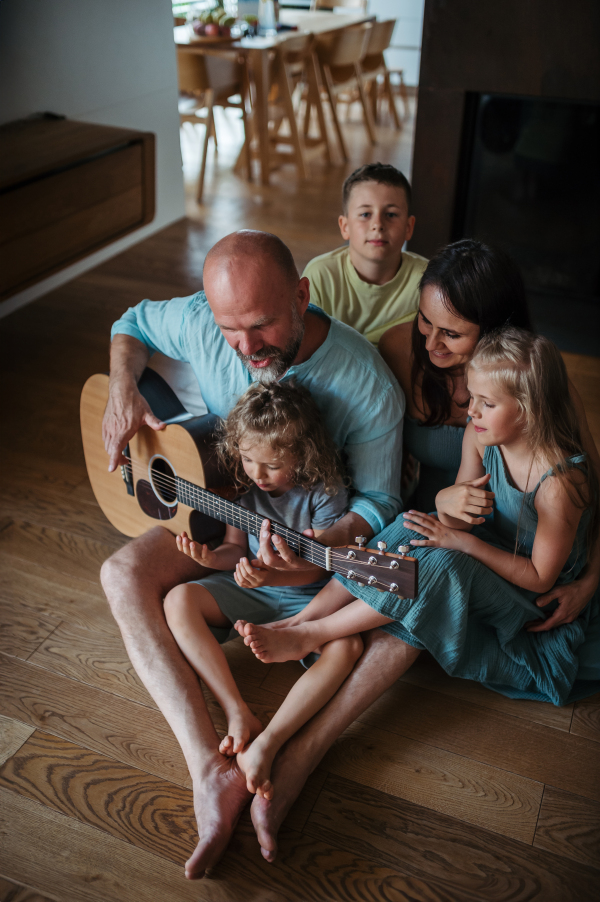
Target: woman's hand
[(571, 598), (254, 575), (468, 501), (199, 553), (438, 535)]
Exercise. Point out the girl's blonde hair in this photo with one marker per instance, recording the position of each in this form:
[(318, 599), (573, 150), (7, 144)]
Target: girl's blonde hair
[(286, 416), (530, 369)]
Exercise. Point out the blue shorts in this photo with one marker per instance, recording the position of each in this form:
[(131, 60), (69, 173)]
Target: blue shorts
[(255, 605)]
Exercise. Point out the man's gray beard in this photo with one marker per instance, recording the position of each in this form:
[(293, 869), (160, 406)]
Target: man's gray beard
[(282, 359)]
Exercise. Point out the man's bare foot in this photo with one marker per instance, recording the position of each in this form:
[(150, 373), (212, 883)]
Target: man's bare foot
[(242, 728), (288, 779), (220, 796), (287, 644), (255, 762)]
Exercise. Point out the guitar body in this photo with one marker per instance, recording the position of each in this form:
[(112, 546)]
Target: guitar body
[(179, 463), (184, 448)]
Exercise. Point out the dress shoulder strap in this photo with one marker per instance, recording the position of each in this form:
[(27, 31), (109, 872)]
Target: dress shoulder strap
[(569, 462)]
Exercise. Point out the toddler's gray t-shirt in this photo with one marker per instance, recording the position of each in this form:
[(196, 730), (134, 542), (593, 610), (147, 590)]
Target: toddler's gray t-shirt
[(298, 509)]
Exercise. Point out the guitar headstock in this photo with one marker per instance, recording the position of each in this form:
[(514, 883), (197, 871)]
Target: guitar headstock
[(386, 571)]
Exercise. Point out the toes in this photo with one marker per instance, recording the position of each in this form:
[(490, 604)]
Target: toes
[(261, 655), (250, 784), (225, 747), (241, 742), (265, 790)]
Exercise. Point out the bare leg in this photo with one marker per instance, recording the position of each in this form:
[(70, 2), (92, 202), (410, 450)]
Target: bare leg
[(136, 580), (190, 611), (331, 598), (385, 660), (306, 697), (296, 641)]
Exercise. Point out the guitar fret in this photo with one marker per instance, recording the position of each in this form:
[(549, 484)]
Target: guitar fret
[(246, 520)]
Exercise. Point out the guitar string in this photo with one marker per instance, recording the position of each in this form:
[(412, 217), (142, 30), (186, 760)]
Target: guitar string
[(210, 499), (219, 506)]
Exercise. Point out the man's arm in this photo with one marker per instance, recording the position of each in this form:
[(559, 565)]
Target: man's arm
[(148, 327), (375, 469), (126, 409)]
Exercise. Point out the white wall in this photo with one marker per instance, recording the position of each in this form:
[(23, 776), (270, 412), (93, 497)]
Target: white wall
[(107, 61), (405, 50)]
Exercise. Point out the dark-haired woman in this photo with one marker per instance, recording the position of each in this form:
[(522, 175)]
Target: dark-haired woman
[(467, 290)]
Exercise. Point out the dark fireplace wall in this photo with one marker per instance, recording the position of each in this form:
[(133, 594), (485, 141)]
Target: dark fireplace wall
[(536, 48)]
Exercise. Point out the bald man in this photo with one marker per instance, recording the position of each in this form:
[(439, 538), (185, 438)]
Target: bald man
[(252, 322)]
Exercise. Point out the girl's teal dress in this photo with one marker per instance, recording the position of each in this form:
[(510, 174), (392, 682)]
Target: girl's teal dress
[(473, 621)]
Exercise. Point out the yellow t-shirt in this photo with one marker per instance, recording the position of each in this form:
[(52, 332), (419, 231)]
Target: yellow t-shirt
[(336, 288)]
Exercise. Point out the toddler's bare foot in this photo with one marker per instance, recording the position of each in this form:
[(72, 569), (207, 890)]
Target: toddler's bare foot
[(242, 728), (286, 644), (242, 625), (255, 763)]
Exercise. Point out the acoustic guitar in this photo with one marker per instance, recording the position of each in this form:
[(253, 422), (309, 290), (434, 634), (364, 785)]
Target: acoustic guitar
[(172, 478)]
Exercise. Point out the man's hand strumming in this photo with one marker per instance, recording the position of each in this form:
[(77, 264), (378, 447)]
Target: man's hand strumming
[(123, 417)]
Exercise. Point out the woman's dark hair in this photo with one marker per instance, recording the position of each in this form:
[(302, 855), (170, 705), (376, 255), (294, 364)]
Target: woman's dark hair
[(482, 285)]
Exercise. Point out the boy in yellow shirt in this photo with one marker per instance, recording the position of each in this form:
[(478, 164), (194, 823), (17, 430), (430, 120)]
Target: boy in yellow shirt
[(370, 284)]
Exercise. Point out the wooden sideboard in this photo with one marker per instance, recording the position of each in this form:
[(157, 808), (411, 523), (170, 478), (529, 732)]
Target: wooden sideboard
[(67, 189)]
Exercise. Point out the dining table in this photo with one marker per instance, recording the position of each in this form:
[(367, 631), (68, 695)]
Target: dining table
[(258, 51)]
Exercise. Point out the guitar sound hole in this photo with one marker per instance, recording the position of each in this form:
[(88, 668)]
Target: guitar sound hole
[(150, 504), (163, 480)]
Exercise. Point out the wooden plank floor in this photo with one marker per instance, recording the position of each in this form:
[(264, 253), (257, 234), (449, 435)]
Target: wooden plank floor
[(441, 791)]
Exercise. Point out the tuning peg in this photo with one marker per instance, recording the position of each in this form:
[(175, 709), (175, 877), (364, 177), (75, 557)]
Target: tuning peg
[(372, 581), (403, 549), (361, 541), (382, 546), (394, 587)]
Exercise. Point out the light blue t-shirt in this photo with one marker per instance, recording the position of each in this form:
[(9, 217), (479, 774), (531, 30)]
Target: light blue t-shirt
[(360, 400)]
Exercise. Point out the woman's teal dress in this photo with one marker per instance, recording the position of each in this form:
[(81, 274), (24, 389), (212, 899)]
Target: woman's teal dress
[(473, 621), (438, 450)]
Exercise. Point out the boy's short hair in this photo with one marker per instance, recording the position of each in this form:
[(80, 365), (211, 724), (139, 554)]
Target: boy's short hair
[(383, 173)]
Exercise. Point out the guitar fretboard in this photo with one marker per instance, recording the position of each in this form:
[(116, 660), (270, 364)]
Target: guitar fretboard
[(233, 514)]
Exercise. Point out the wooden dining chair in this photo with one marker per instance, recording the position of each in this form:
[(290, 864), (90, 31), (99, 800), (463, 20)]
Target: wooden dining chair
[(296, 71), (212, 77), (340, 54), (293, 70), (373, 68)]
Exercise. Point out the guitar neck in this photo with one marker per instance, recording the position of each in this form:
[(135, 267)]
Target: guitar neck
[(233, 514)]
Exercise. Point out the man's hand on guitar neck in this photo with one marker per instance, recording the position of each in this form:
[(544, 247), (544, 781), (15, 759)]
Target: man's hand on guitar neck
[(343, 532), (127, 410)]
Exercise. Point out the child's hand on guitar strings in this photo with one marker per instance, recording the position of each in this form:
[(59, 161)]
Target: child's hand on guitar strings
[(199, 553)]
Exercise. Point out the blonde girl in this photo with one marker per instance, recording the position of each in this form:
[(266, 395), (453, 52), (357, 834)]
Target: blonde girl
[(287, 470), (476, 610)]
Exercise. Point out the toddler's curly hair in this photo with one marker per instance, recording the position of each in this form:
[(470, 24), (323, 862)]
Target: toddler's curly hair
[(286, 416)]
